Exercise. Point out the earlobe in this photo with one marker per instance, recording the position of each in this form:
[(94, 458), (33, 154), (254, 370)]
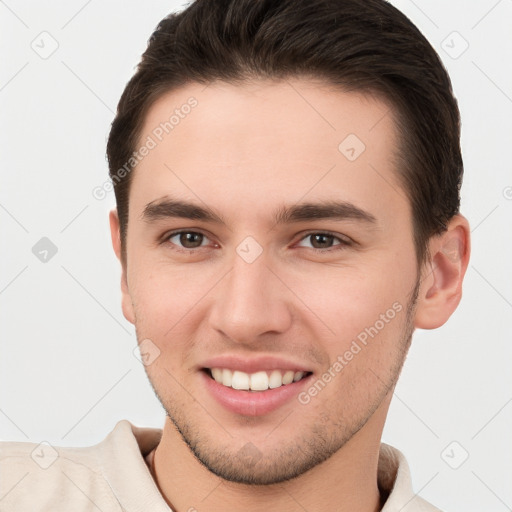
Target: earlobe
[(441, 282), (115, 234)]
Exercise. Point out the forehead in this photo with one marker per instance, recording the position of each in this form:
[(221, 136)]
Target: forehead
[(264, 141), (298, 110)]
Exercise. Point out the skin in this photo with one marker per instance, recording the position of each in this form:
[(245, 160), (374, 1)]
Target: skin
[(245, 151)]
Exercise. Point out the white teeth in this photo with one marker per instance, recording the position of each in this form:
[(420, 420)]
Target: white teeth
[(259, 381), (240, 380), (275, 380), (288, 377), (227, 377), (298, 376), (217, 374)]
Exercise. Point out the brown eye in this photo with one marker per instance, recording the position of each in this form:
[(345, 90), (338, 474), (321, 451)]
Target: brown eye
[(323, 241), (188, 239)]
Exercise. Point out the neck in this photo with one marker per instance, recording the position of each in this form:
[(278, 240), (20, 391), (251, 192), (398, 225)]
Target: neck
[(346, 482)]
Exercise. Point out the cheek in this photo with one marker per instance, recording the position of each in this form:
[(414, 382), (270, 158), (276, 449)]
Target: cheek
[(348, 299), (168, 299), (161, 287)]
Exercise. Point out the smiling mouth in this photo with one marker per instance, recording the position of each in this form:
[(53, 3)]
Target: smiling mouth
[(258, 381)]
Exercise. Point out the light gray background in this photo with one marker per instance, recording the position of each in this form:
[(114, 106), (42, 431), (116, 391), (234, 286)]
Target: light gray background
[(67, 368)]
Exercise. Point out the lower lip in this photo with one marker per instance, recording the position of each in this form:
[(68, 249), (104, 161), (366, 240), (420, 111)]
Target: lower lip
[(253, 403)]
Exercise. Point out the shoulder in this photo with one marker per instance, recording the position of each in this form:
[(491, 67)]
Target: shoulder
[(45, 477)]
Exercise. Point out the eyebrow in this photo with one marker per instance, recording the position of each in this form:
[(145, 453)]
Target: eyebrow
[(335, 210), (169, 208)]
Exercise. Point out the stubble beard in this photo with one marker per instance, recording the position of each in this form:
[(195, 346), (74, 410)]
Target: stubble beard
[(251, 466)]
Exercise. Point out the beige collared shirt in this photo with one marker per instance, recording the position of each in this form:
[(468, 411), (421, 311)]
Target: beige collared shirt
[(113, 476)]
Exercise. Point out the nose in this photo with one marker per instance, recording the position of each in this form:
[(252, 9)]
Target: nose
[(250, 301)]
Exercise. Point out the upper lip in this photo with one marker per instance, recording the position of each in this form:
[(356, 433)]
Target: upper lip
[(253, 364)]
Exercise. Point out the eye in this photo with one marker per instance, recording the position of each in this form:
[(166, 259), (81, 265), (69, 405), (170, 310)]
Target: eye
[(321, 240), (187, 239)]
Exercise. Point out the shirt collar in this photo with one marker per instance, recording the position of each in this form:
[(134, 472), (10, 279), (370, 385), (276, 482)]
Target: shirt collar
[(128, 445)]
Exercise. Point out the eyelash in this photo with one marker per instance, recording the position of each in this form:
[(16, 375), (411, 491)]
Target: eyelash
[(341, 246), (343, 242)]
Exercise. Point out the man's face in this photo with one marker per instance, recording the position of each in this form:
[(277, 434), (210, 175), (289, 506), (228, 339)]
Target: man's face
[(278, 283)]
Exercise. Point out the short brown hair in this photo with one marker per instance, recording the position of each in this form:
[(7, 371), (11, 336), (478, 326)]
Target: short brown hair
[(358, 45)]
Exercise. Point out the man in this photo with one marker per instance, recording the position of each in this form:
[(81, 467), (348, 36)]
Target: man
[(287, 179)]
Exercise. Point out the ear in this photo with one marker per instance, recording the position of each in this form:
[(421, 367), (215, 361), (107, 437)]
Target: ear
[(115, 233), (441, 278)]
